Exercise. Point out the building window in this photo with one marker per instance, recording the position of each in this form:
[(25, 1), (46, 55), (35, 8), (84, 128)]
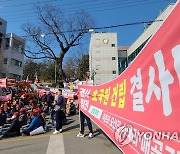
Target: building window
[(17, 46), (113, 72), (2, 75), (16, 63), (0, 23), (97, 51), (113, 45), (7, 42), (113, 58), (16, 76), (1, 39), (5, 60)]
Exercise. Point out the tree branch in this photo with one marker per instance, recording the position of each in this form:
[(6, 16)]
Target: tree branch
[(51, 28)]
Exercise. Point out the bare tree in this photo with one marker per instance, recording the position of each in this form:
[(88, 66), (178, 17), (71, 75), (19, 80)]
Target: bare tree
[(55, 34), (71, 63)]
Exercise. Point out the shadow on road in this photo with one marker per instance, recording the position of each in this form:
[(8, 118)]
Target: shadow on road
[(71, 127)]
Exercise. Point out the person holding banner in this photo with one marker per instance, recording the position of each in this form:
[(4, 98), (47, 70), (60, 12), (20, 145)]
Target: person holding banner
[(82, 118)]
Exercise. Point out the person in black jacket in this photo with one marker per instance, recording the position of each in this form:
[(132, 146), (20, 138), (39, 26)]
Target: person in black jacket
[(50, 99), (44, 97), (14, 129), (23, 117), (3, 117)]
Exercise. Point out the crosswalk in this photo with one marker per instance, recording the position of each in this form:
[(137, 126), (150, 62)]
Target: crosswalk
[(56, 145)]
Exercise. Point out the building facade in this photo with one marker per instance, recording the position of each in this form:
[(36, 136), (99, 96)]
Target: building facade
[(103, 57), (3, 25), (149, 31), (107, 60), (12, 47), (122, 58)]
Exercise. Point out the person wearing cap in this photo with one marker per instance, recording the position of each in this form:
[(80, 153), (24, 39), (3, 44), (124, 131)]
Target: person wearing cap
[(42, 116), (35, 123), (14, 129), (23, 117)]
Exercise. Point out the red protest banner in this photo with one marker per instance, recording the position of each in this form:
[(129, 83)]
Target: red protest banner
[(5, 98), (144, 100)]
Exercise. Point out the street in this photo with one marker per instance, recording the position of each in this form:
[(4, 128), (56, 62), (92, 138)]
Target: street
[(64, 143)]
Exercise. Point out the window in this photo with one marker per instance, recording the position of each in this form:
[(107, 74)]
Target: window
[(18, 46), (7, 42), (5, 60), (16, 63), (113, 58), (16, 76), (97, 51), (113, 45), (113, 72), (1, 39), (2, 75), (0, 23)]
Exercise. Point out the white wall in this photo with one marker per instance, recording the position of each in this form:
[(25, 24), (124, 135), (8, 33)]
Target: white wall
[(100, 56)]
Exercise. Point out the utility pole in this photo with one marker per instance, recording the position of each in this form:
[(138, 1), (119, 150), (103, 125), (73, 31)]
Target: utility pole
[(55, 71)]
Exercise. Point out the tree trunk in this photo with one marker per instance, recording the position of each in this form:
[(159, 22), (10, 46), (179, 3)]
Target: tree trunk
[(62, 75), (55, 71)]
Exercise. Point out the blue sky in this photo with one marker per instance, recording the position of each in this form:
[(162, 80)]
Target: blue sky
[(105, 12)]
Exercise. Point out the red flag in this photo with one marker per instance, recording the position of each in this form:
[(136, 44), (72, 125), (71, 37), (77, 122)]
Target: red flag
[(27, 79), (36, 80)]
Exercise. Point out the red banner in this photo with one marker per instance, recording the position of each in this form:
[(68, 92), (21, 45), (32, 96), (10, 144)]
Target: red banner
[(7, 82), (143, 101), (5, 98)]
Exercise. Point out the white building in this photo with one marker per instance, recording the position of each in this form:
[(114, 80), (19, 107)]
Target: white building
[(103, 57), (12, 54)]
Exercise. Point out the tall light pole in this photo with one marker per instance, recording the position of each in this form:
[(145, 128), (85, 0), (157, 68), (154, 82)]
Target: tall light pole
[(92, 75)]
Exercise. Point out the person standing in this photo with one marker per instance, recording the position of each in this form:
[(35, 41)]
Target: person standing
[(44, 97), (52, 112), (59, 112), (82, 121), (82, 118), (49, 99)]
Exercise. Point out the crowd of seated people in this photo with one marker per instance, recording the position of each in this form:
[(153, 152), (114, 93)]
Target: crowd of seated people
[(22, 118)]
